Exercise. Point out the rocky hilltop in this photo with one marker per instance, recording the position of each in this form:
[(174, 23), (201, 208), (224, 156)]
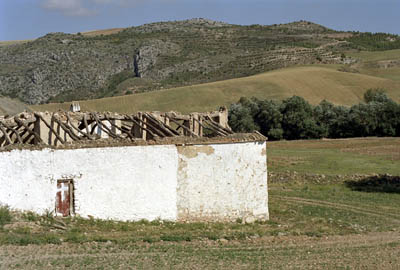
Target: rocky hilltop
[(63, 67)]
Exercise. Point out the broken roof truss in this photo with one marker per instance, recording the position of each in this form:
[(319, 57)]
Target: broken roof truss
[(65, 127)]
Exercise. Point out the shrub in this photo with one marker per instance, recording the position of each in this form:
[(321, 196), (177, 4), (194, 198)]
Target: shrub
[(375, 94), (5, 215)]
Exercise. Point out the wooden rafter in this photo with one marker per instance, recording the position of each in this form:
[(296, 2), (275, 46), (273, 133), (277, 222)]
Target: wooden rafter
[(63, 127)]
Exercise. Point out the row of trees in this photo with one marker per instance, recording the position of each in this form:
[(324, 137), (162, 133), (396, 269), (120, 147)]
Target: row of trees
[(294, 118)]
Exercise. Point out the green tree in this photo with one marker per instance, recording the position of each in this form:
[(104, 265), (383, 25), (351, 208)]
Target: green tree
[(269, 119), (240, 118), (375, 94), (298, 121), (325, 116), (339, 126), (363, 120)]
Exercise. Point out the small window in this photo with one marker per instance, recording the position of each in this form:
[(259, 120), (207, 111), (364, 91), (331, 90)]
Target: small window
[(65, 198)]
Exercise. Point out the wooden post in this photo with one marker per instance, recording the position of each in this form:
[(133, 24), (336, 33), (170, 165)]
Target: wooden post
[(196, 126)]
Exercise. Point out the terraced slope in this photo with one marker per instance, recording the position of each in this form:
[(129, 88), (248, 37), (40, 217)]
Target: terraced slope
[(314, 83), (65, 67), (385, 64)]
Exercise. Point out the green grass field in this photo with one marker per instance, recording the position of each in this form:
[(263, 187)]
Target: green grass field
[(317, 221), (336, 156), (314, 83)]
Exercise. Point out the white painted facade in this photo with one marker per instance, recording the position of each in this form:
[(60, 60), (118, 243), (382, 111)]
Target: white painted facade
[(168, 182), (222, 182)]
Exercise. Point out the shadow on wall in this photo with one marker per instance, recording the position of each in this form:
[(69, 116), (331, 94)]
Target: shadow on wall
[(380, 183)]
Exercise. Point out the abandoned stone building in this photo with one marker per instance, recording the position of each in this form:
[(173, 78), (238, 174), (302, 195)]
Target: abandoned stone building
[(148, 165)]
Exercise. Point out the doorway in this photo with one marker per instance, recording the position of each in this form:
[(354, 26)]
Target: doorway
[(65, 198)]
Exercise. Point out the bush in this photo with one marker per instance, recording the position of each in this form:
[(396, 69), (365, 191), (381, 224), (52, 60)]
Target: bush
[(375, 94), (5, 215)]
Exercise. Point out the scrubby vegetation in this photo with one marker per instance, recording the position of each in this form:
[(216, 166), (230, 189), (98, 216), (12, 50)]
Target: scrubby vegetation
[(5, 215), (374, 41), (294, 118), (64, 67)]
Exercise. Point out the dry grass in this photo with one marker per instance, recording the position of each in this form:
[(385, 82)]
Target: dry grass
[(11, 106), (102, 32), (314, 83), (376, 56), (13, 42)]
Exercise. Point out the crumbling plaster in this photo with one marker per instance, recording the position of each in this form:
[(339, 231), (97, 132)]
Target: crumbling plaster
[(222, 182), (169, 182)]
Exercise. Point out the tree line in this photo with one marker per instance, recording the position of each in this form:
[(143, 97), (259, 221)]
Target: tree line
[(295, 118)]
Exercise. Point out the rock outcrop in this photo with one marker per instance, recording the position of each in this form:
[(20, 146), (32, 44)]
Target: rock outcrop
[(67, 67)]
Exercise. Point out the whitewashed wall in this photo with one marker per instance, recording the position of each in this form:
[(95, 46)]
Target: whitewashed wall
[(223, 182), (25, 181), (203, 182), (124, 183)]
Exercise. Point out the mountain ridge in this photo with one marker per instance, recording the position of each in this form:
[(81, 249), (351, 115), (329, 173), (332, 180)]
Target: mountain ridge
[(63, 67)]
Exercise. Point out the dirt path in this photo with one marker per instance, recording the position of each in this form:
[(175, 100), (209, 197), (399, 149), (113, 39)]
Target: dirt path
[(369, 251)]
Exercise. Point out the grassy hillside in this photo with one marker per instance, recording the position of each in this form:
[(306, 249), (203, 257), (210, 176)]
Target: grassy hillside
[(11, 106), (102, 32), (385, 64), (64, 67), (376, 56), (314, 83), (13, 42), (60, 67)]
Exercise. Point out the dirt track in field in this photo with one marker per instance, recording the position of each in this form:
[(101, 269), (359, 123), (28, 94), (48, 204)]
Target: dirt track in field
[(389, 216), (369, 251)]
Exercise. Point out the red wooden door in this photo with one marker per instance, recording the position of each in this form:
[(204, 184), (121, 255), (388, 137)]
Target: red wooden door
[(64, 197)]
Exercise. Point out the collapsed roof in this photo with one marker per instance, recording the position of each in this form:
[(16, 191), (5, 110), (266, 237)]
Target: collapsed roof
[(61, 128)]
